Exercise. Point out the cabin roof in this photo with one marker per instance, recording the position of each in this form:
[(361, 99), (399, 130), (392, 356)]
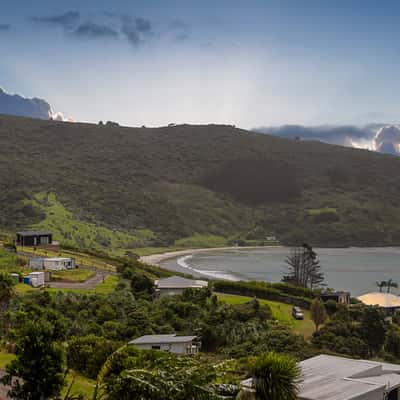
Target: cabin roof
[(177, 282), (159, 339), (34, 233)]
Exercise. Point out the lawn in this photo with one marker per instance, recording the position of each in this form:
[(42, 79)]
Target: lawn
[(72, 275), (281, 311), (106, 287), (81, 385), (81, 259), (5, 358)]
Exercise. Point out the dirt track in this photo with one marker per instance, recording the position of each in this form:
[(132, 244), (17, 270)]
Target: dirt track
[(90, 283)]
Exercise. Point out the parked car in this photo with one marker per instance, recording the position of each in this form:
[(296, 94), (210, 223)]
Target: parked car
[(297, 313)]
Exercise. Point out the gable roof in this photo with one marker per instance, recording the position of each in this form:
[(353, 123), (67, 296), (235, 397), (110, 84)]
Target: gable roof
[(177, 282), (337, 378), (34, 233), (160, 339)]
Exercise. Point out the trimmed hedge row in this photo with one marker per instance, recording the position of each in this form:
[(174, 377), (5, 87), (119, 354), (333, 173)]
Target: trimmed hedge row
[(262, 290)]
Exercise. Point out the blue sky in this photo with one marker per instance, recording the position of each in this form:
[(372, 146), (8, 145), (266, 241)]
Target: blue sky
[(250, 63)]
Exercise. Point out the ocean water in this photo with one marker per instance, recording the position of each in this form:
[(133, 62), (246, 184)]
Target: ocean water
[(352, 269)]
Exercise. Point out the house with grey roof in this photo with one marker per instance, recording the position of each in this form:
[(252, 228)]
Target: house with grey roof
[(176, 285), (185, 345), (327, 377)]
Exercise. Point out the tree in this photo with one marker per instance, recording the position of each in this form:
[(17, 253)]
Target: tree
[(373, 328), (304, 268), (381, 285), (392, 343), (6, 290), (38, 371), (318, 313), (276, 377)]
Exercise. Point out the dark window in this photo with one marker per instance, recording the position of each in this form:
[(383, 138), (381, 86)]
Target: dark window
[(392, 395), (159, 347)]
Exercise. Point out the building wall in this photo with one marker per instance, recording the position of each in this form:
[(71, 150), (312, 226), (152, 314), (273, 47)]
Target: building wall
[(170, 292), (59, 264), (177, 348), (35, 240)]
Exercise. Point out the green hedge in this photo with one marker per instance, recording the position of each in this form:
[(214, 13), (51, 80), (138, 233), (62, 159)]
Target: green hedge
[(264, 290)]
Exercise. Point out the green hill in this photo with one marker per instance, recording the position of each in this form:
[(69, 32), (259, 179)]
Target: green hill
[(110, 186)]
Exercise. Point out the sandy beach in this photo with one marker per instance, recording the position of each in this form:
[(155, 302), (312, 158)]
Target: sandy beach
[(157, 259)]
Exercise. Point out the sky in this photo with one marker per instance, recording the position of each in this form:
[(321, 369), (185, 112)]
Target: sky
[(251, 63)]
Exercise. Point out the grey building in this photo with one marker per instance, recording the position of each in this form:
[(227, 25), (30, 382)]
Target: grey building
[(176, 285), (171, 343), (337, 378)]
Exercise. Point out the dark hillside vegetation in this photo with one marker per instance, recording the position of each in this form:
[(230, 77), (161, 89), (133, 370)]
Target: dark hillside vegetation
[(181, 181)]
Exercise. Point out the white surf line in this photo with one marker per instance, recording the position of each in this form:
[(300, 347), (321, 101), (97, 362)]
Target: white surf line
[(213, 274)]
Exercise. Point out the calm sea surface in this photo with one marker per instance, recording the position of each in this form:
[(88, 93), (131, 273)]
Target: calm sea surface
[(353, 269)]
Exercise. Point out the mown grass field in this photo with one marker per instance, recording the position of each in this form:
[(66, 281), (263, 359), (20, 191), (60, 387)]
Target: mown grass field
[(281, 311), (72, 275), (81, 259), (106, 287)]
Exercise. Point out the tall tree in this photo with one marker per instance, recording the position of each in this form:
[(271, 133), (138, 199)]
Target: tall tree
[(318, 313), (276, 377), (38, 371), (373, 328), (6, 290), (304, 268)]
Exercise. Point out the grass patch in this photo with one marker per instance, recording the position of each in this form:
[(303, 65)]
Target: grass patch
[(319, 211), (5, 358), (81, 385), (72, 275), (280, 311), (202, 241), (108, 286), (73, 232), (81, 259)]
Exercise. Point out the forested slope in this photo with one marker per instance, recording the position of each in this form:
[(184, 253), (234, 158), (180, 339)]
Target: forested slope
[(159, 185)]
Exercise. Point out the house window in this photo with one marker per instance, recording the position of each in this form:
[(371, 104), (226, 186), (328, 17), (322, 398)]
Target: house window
[(44, 240), (154, 347)]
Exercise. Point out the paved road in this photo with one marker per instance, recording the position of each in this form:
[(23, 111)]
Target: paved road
[(91, 283)]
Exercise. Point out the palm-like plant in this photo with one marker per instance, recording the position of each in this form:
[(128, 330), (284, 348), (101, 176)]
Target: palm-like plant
[(381, 285), (276, 377), (391, 284)]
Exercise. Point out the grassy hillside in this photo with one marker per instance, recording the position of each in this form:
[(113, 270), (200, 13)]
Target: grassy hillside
[(128, 188)]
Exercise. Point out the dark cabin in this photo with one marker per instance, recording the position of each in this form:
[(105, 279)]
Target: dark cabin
[(33, 238), (339, 297)]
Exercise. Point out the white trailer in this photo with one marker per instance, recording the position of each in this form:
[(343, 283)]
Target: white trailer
[(58, 263), (37, 279)]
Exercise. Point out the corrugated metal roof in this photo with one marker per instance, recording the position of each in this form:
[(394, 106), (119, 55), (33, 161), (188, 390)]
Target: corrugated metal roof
[(337, 378), (385, 300), (34, 233), (177, 282), (158, 339)]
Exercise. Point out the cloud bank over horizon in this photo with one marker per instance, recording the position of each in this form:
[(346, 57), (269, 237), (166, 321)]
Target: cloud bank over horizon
[(380, 137), (14, 104)]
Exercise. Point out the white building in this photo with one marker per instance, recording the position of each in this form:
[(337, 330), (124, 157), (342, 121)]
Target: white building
[(53, 264), (170, 343), (337, 378), (387, 301), (176, 285), (37, 279)]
